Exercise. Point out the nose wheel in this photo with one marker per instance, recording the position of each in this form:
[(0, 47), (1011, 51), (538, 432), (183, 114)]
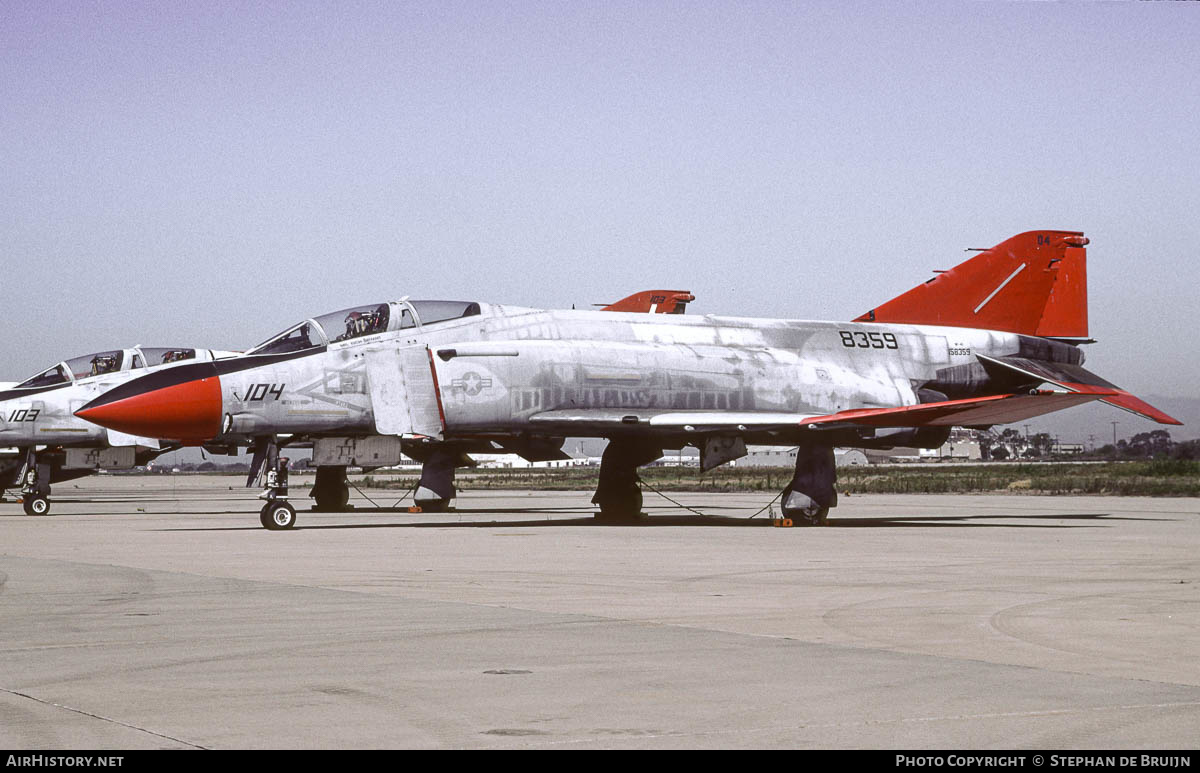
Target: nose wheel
[(277, 515), (36, 504)]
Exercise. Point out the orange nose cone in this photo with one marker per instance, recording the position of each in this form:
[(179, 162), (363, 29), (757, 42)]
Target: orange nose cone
[(190, 412)]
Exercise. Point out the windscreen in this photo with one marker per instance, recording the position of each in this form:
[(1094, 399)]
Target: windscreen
[(356, 322), (48, 377), (294, 339)]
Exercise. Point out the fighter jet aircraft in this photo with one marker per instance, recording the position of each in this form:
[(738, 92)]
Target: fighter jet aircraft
[(50, 445), (41, 442), (437, 379)]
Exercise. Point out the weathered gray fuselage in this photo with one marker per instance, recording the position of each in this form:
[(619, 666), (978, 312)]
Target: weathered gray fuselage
[(495, 371)]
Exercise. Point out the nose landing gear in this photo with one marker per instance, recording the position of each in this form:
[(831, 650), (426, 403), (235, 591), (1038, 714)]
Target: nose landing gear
[(277, 513), (35, 491)]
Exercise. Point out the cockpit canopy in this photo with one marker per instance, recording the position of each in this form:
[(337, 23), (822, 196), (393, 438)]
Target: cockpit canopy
[(355, 323), (79, 367), (360, 321), (100, 363), (164, 355), (429, 312)]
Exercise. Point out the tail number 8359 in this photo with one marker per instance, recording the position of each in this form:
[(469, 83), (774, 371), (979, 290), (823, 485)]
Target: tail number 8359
[(862, 340)]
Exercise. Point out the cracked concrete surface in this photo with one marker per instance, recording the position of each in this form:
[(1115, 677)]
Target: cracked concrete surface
[(157, 613)]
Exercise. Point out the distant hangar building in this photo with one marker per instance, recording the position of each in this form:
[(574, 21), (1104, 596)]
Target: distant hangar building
[(774, 456)]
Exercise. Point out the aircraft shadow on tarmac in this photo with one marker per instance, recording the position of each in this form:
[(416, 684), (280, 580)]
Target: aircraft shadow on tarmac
[(1025, 521)]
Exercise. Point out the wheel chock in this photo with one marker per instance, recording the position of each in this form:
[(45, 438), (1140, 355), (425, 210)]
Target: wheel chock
[(415, 509), (784, 523)]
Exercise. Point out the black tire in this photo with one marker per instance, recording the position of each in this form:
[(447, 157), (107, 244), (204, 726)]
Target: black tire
[(805, 517), (623, 508), (819, 518), (36, 505), (434, 505), (331, 500), (278, 516)]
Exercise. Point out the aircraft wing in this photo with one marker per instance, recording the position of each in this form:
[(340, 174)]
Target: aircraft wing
[(649, 418), (972, 412), (1078, 379)]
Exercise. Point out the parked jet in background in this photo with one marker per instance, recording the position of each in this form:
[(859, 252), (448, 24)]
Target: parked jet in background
[(48, 444), (653, 302), (439, 379)]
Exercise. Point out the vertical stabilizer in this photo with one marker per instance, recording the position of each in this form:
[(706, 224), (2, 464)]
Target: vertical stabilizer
[(1034, 283)]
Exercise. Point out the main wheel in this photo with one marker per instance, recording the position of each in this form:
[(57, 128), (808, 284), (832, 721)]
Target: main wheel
[(330, 499), (277, 515), (818, 518), (620, 507), (36, 505), (803, 510), (434, 505)]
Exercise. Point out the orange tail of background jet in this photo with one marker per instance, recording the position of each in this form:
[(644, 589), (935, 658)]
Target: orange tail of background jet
[(1034, 283), (653, 302)]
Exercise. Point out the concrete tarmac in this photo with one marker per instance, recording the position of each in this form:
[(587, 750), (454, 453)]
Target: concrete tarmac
[(156, 612)]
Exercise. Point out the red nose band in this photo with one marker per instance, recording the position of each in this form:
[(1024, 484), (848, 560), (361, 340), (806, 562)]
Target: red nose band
[(190, 412)]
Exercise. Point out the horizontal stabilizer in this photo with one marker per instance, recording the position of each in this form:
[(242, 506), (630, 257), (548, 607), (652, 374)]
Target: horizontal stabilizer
[(972, 412), (1078, 379)]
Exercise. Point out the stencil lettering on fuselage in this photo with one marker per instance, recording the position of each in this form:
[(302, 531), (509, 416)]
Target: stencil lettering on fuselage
[(351, 380)]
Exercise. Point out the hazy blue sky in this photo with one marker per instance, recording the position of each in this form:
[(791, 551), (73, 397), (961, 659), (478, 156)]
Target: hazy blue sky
[(206, 173)]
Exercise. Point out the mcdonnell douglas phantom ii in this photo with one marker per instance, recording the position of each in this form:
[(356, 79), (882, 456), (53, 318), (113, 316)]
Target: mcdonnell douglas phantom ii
[(973, 347), (42, 442), (50, 445)]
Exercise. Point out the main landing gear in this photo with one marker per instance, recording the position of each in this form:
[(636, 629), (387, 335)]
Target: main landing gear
[(330, 491), (618, 493), (436, 489), (807, 499)]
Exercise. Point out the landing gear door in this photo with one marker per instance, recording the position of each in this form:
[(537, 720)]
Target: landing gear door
[(404, 393)]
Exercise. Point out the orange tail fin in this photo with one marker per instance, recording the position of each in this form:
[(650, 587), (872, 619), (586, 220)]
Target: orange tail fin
[(1034, 283), (654, 302)]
